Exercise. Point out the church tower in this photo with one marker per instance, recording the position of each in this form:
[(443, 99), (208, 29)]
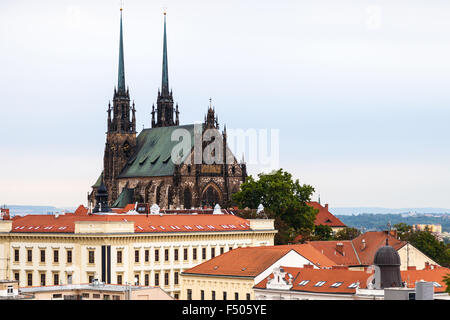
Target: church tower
[(164, 104), (121, 134)]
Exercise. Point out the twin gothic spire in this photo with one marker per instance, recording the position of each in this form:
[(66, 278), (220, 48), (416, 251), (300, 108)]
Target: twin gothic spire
[(165, 110)]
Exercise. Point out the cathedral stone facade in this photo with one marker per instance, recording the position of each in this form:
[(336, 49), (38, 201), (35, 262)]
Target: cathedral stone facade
[(140, 168)]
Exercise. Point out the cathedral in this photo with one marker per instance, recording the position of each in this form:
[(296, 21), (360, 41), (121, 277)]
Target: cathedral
[(138, 168)]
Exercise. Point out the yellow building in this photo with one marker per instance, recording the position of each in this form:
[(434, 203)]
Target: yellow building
[(96, 291), (153, 250), (435, 228), (232, 275)]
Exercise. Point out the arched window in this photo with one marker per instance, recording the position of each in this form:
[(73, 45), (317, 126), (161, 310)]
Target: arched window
[(169, 197), (187, 198), (158, 195), (210, 197)]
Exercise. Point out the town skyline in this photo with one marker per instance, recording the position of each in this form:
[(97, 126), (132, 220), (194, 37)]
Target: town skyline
[(382, 146)]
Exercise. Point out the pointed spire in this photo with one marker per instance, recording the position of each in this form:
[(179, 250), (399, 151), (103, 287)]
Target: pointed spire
[(165, 68), (121, 84)]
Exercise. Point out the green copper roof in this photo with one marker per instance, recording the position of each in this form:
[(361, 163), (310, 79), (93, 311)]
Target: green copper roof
[(121, 84), (165, 71), (99, 181), (153, 153), (125, 197)]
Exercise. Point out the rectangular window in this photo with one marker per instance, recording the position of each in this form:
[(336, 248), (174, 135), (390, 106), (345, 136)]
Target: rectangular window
[(213, 295), (90, 278), (236, 296), (10, 290), (136, 279), (57, 296), (55, 256), (176, 296), (213, 252), (55, 279), (203, 253), (119, 279), (175, 254), (30, 279), (29, 255), (194, 253), (106, 297), (85, 295), (222, 249), (96, 296), (136, 255), (224, 295), (189, 294), (16, 255), (248, 296), (42, 255), (146, 279), (16, 276), (166, 255), (42, 279), (69, 256), (166, 279), (156, 279), (147, 255), (119, 256), (202, 294), (156, 255), (175, 278), (116, 297), (230, 248), (91, 256), (185, 254)]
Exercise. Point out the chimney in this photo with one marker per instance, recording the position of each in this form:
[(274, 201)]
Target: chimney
[(326, 206), (363, 244), (340, 248), (411, 267), (427, 265)]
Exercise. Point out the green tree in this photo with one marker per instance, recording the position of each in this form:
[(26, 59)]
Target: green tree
[(284, 200), (426, 242), (323, 233), (347, 233), (447, 282)]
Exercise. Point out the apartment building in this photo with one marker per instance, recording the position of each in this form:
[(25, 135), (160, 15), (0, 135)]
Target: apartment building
[(148, 250)]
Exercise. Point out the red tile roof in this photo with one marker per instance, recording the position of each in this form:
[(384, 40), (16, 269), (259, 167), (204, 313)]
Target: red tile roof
[(251, 261), (373, 241), (341, 252), (348, 277), (65, 223), (325, 217), (353, 252), (330, 276)]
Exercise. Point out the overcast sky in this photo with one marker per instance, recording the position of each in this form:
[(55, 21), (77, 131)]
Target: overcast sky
[(358, 89)]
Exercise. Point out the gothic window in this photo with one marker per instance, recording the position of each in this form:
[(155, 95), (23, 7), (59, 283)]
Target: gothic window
[(210, 197), (169, 197), (233, 170), (126, 149), (187, 198), (158, 194), (189, 169)]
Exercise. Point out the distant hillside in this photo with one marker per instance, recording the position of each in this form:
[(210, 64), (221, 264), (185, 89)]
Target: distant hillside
[(23, 210), (370, 221), (359, 210)]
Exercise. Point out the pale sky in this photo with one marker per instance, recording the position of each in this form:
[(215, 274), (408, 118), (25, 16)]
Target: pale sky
[(358, 89)]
